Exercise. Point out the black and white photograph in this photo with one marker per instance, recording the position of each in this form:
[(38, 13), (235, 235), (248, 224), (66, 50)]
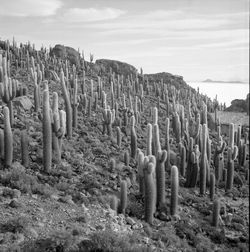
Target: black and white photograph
[(124, 125)]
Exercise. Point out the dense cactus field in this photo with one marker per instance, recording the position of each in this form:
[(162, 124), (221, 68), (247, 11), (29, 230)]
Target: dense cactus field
[(96, 160)]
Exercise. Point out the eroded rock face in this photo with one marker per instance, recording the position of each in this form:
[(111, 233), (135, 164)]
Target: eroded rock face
[(70, 53)]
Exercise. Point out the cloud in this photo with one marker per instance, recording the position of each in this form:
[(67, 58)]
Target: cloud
[(27, 8), (77, 15)]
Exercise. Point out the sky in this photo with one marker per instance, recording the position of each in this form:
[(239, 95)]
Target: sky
[(193, 38)]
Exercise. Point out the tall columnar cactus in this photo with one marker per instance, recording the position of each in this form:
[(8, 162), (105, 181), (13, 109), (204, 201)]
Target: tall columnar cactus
[(119, 136), (133, 136), (231, 136), (167, 144), (174, 190), (156, 139), (124, 197), (160, 177), (203, 167), (8, 138), (114, 203), (230, 168), (204, 113), (149, 139), (107, 121), (183, 161), (216, 213), (25, 148), (140, 167), (219, 160), (74, 103), (47, 133), (1, 144), (212, 186), (150, 194), (177, 127), (238, 138), (242, 148), (126, 158), (56, 129), (67, 105)]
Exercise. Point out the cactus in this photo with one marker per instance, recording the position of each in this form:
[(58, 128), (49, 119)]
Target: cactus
[(74, 104), (119, 136), (160, 177), (149, 140), (67, 104), (24, 148), (174, 190), (47, 133), (107, 121), (126, 158), (114, 203), (112, 164), (216, 213), (212, 186), (140, 167), (8, 138), (177, 127), (156, 139), (231, 136), (183, 161), (238, 136), (133, 141), (203, 168), (1, 144), (124, 197), (150, 194), (56, 130), (218, 160)]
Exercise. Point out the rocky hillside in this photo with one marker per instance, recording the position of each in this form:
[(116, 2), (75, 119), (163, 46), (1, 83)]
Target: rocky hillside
[(91, 161)]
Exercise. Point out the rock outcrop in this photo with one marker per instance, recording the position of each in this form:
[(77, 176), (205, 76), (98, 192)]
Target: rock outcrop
[(117, 67), (61, 51), (239, 105), (175, 80)]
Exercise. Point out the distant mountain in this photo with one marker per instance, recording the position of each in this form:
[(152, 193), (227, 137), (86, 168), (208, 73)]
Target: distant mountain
[(209, 80)]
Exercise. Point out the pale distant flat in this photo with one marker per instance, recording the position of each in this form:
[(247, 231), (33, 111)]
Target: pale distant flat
[(238, 118)]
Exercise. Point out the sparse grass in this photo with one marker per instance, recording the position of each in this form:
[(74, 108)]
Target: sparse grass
[(26, 183), (15, 225)]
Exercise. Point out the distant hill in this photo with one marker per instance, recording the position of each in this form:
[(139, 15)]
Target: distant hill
[(209, 80)]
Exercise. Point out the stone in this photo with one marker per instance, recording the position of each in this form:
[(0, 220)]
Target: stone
[(23, 102), (16, 193), (130, 221), (15, 204)]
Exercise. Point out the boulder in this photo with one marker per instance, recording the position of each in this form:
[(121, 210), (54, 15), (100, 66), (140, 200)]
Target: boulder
[(23, 102)]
